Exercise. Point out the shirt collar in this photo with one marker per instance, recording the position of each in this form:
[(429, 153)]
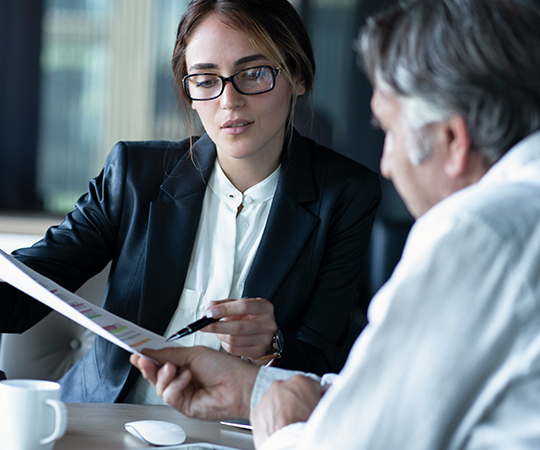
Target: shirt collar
[(225, 190), (520, 163)]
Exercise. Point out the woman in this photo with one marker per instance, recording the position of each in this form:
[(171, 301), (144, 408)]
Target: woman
[(250, 223)]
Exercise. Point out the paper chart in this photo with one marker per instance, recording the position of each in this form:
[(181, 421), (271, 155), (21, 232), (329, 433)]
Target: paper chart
[(125, 334)]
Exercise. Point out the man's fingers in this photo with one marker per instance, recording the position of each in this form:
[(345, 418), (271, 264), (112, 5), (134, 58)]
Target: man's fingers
[(147, 368), (164, 376), (177, 355), (134, 359), (174, 391)]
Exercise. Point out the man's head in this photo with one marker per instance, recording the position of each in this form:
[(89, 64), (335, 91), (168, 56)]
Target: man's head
[(456, 85)]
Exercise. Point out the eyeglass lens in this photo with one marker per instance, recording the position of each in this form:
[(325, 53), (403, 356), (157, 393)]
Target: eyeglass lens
[(255, 80)]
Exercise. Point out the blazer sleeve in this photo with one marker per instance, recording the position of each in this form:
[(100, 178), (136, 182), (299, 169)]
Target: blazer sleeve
[(92, 234)]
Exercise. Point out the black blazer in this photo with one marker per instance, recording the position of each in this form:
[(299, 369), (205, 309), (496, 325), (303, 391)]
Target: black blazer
[(142, 212)]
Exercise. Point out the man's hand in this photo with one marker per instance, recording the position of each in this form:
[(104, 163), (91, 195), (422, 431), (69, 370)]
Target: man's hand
[(286, 402), (200, 382), (246, 327)]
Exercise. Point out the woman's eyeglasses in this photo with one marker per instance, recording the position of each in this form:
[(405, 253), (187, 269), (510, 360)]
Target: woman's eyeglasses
[(250, 81)]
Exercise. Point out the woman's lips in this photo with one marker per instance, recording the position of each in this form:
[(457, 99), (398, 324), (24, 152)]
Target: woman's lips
[(235, 127)]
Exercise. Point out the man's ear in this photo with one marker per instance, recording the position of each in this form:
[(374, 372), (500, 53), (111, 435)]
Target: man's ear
[(459, 147)]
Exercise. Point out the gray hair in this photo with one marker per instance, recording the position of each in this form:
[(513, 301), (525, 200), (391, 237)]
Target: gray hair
[(479, 59)]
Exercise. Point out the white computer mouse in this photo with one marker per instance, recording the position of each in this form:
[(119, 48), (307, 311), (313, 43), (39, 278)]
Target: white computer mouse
[(156, 432)]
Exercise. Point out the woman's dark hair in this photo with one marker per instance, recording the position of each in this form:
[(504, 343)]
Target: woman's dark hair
[(273, 26)]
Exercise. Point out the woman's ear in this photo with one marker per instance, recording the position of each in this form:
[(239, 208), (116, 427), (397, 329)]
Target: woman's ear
[(300, 87)]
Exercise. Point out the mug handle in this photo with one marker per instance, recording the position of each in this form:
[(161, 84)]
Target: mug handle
[(60, 421)]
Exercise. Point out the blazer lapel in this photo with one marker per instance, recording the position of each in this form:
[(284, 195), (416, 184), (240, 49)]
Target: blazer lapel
[(172, 228), (289, 224)]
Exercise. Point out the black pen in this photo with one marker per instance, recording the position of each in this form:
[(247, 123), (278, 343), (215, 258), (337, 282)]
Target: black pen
[(192, 327)]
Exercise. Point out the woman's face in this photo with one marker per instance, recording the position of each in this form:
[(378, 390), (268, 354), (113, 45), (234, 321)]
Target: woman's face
[(245, 128)]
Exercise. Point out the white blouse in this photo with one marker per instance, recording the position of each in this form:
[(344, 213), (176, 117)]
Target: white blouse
[(221, 258)]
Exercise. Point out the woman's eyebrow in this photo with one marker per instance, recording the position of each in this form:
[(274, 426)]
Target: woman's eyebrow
[(238, 62), (202, 66), (250, 58)]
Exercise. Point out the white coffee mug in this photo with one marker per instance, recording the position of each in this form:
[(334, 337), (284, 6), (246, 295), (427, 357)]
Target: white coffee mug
[(32, 416)]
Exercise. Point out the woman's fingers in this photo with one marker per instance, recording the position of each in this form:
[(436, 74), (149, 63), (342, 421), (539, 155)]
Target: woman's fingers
[(242, 307)]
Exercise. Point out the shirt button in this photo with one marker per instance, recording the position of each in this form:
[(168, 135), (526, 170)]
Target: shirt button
[(245, 225), (240, 287), (248, 200)]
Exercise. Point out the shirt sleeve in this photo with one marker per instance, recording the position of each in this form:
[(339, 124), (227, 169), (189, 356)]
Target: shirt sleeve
[(287, 437), (513, 421), (284, 439), (267, 375), (439, 348)]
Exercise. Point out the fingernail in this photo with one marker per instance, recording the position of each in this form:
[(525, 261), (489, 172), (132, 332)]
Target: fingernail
[(211, 313)]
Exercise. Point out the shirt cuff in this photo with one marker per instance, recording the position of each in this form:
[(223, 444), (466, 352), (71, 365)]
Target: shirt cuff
[(286, 438), (267, 375)]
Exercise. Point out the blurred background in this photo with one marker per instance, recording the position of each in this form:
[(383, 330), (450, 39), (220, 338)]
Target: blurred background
[(76, 76)]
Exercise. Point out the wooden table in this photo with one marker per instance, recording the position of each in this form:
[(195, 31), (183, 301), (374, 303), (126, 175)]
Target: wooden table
[(96, 426)]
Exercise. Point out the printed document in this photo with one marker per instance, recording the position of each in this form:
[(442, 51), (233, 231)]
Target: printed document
[(125, 334)]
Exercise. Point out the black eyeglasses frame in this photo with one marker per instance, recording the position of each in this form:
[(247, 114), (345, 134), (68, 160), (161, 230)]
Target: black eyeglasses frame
[(275, 73)]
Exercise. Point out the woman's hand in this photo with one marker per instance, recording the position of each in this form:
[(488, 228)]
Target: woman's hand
[(246, 328)]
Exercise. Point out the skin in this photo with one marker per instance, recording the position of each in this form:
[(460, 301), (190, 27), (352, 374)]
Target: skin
[(206, 384), (249, 153), (200, 382), (249, 133), (450, 167), (286, 402), (246, 328)]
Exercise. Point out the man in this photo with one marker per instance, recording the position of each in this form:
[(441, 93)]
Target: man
[(451, 356)]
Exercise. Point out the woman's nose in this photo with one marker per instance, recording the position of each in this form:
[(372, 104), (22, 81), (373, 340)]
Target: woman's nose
[(231, 98)]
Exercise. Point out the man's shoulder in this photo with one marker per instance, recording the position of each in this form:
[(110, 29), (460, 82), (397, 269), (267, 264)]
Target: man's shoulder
[(509, 206), (510, 211)]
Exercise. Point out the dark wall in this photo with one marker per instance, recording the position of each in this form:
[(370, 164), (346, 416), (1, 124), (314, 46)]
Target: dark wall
[(20, 25), (346, 89)]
